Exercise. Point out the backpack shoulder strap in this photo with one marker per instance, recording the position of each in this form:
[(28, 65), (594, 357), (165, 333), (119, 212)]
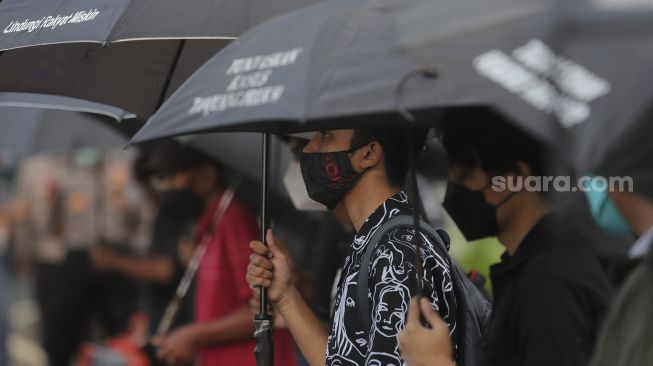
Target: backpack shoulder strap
[(363, 272)]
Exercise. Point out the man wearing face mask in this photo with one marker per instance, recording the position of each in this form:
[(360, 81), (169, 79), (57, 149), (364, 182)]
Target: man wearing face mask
[(177, 212), (627, 334), (362, 170), (550, 292)]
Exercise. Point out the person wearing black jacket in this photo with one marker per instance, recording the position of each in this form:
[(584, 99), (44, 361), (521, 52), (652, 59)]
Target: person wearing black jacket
[(550, 292), (175, 219)]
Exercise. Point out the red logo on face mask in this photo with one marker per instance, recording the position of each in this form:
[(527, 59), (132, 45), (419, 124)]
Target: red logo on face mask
[(333, 171)]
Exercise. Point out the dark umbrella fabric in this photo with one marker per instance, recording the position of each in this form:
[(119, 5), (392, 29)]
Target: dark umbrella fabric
[(241, 152), (28, 129), (340, 61), (628, 156), (33, 22), (92, 55), (135, 76), (583, 66)]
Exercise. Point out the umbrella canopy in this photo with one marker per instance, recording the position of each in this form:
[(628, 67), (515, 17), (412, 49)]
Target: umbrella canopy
[(49, 123), (628, 155), (83, 60), (241, 152), (574, 74), (341, 61)]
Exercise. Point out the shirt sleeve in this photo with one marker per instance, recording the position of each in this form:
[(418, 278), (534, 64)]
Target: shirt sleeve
[(392, 283), (237, 229), (553, 326)]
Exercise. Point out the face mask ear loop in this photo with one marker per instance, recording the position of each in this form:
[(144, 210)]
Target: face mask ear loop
[(503, 201)]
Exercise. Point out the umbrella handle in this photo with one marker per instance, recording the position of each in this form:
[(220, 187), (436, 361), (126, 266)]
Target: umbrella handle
[(264, 351)]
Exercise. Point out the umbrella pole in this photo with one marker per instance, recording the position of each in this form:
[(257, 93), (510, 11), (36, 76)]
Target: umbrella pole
[(413, 191), (414, 199), (264, 351), (173, 67)]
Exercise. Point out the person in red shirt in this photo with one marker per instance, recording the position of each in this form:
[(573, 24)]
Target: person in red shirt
[(222, 333)]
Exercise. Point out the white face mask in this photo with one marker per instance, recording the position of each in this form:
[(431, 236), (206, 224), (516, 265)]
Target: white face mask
[(294, 183)]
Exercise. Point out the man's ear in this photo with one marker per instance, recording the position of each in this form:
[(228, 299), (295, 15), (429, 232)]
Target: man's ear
[(372, 155), (523, 169)]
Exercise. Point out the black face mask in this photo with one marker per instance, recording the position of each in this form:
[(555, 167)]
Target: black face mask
[(475, 218), (182, 203), (328, 176)]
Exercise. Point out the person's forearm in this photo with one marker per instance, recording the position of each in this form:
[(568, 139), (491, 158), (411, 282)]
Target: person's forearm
[(157, 269), (307, 330), (236, 326)]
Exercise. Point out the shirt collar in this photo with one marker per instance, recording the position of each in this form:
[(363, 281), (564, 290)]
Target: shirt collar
[(388, 209), (537, 238)]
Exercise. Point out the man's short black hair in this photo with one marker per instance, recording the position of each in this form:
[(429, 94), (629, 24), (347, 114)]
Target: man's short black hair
[(118, 300), (481, 137), (394, 142), (169, 157)]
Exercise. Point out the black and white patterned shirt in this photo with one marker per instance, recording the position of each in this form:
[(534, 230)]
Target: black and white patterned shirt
[(391, 286)]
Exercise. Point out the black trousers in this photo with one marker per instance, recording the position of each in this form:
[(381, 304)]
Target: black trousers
[(65, 295)]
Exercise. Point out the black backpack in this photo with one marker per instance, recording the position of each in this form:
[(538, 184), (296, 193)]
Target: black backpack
[(472, 304)]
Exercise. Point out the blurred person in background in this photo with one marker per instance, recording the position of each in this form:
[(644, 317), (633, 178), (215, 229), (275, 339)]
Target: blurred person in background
[(70, 203), (40, 248), (550, 292), (627, 335), (124, 324), (162, 267), (221, 333)]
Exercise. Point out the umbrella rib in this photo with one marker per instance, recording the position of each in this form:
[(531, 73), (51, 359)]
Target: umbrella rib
[(115, 116), (169, 38), (53, 43)]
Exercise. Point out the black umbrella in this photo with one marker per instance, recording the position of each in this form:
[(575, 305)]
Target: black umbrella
[(626, 156), (85, 52), (341, 60), (574, 74), (136, 76), (37, 123)]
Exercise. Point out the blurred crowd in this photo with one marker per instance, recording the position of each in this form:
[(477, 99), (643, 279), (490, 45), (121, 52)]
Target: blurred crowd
[(139, 257), (105, 237)]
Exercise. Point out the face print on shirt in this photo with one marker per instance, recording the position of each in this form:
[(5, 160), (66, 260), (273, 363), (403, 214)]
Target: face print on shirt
[(390, 311)]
